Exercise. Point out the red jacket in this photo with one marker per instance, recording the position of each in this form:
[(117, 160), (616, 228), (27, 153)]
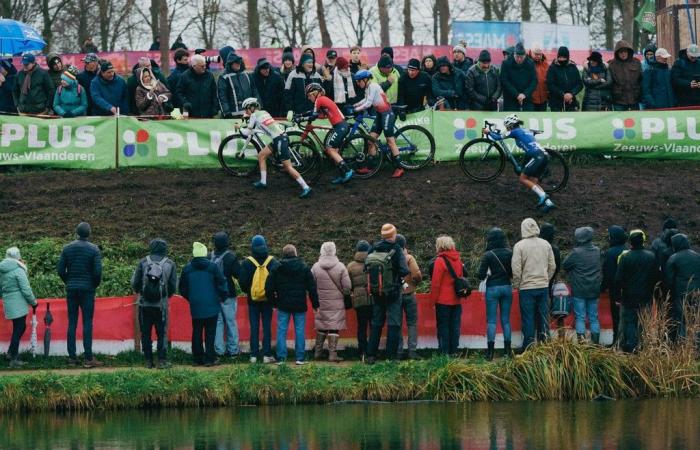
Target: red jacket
[(541, 94), (442, 285)]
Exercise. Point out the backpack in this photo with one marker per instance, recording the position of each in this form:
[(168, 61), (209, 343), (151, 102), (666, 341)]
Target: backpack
[(219, 260), (154, 280), (381, 281), (462, 288), (257, 287)]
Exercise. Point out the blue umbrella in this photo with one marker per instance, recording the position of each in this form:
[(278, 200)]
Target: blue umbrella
[(17, 37)]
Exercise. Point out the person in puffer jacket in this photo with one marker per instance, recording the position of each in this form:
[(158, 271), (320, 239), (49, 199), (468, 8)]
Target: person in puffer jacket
[(234, 86), (361, 301), (596, 80), (17, 296), (657, 88), (563, 82), (626, 74), (70, 99), (448, 83), (683, 279)]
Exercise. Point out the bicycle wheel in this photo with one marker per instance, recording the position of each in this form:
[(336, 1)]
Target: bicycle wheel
[(556, 175), (482, 160), (355, 153), (238, 158), (416, 146), (306, 159)]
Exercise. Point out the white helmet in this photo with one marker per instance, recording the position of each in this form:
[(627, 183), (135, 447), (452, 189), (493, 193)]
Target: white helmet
[(250, 101), (511, 121)]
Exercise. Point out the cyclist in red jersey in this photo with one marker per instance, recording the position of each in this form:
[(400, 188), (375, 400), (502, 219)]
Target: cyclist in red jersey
[(325, 108)]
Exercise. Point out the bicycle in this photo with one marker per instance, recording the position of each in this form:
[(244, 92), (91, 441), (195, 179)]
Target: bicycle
[(416, 145), (483, 159), (238, 156)]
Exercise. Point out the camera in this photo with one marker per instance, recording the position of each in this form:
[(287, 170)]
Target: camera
[(208, 59)]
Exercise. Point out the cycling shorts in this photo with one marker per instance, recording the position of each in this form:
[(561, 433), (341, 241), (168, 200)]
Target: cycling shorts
[(536, 166), (340, 130), (280, 147), (384, 122)]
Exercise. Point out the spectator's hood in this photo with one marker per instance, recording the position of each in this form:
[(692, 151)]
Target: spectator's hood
[(158, 247), (234, 58), (616, 235), (529, 228), (495, 238), (623, 45), (221, 241), (583, 236), (680, 242)]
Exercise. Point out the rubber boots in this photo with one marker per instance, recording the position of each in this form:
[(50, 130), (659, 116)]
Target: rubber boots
[(489, 351), (318, 348), (507, 351), (333, 348), (595, 338)]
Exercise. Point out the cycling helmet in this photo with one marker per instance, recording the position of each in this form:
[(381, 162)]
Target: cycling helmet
[(314, 87), (511, 121), (362, 75), (251, 101)]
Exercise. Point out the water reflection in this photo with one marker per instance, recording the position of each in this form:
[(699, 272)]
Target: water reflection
[(652, 424)]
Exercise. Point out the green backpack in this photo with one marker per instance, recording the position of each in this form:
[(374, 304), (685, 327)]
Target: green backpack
[(381, 281)]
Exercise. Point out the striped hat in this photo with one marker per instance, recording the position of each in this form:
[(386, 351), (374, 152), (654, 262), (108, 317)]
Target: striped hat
[(388, 232), (71, 72)]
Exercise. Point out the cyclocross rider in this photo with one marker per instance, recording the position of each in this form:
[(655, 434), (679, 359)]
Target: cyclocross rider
[(538, 157), (262, 121), (324, 108), (384, 122)]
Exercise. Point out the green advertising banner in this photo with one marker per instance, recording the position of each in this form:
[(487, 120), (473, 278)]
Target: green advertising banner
[(637, 134), (80, 143)]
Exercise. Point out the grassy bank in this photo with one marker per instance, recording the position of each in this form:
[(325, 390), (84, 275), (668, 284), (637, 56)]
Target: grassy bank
[(555, 370)]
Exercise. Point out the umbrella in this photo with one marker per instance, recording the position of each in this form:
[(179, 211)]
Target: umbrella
[(17, 37), (32, 340), (48, 320)]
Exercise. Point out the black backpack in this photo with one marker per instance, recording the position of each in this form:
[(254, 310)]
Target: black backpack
[(154, 279)]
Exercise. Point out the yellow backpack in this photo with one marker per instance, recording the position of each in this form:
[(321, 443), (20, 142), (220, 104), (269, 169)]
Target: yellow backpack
[(257, 287)]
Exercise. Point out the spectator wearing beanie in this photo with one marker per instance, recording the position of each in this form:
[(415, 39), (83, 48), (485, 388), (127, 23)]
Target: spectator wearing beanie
[(636, 277), (387, 307), (683, 280), (448, 83), (460, 60), (518, 80), (361, 301), (80, 268), (389, 51), (387, 76), (70, 99), (409, 306), (109, 92), (287, 63), (295, 86), (415, 88), (563, 83), (483, 84), (259, 309), (540, 95), (203, 285), (270, 87), (226, 323), (596, 80)]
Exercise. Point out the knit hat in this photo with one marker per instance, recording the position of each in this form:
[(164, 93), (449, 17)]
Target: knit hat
[(71, 72), (596, 56), (362, 246), (28, 58), (563, 52), (401, 240), (484, 56), (305, 58), (83, 230), (519, 49), (105, 66), (388, 232), (263, 63), (385, 62), (389, 51), (342, 63), (442, 61), (199, 250), (90, 57), (413, 63), (670, 223), (637, 238), (258, 242), (13, 253), (288, 56), (459, 48)]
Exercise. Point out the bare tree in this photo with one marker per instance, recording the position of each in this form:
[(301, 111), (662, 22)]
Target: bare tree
[(360, 17), (112, 17), (609, 24), (500, 8), (525, 10), (584, 12), (207, 20), (488, 11), (407, 23), (164, 29), (288, 22), (22, 10), (322, 26), (627, 9), (552, 9), (443, 7), (383, 11), (253, 24), (49, 13)]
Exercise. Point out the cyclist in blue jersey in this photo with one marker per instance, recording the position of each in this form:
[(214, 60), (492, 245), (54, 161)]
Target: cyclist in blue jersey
[(536, 155)]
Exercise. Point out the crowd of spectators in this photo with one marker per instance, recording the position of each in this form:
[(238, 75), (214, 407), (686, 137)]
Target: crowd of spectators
[(525, 81)]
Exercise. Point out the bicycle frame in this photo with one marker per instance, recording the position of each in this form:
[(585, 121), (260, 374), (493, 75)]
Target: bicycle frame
[(504, 148), (255, 135)]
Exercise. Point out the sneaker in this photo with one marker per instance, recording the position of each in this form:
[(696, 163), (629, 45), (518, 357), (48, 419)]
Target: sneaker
[(343, 178), (91, 363), (300, 363), (279, 363), (398, 173), (259, 185), (268, 359), (548, 206), (216, 362), (253, 359), (305, 193), (165, 364), (363, 171), (16, 363)]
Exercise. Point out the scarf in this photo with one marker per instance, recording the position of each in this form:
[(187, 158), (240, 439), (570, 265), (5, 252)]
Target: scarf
[(595, 69), (27, 83), (339, 87)]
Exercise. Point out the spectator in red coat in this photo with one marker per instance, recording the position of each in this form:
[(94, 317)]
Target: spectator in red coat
[(448, 309)]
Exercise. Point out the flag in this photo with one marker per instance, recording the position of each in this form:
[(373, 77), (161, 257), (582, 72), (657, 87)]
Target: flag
[(646, 18)]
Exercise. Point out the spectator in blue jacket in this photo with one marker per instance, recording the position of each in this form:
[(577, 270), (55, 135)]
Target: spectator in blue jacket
[(70, 99), (109, 92), (657, 88), (204, 287), (80, 268)]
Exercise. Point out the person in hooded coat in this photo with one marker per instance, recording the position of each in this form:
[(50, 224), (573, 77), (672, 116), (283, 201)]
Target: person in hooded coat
[(70, 99), (429, 64), (152, 97), (563, 82), (361, 300), (617, 241), (270, 87), (584, 270), (17, 296), (56, 69), (597, 81), (8, 76), (448, 83), (683, 279), (227, 261), (134, 81), (649, 56), (234, 86), (657, 87), (495, 268), (662, 248), (626, 74)]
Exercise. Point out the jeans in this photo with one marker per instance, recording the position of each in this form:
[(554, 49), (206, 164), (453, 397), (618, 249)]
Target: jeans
[(364, 320), (85, 302), (498, 297), (586, 307), (449, 323), (409, 308), (260, 312), (19, 326), (227, 320), (283, 318), (389, 312), (208, 327), (533, 303), (629, 323), (150, 317)]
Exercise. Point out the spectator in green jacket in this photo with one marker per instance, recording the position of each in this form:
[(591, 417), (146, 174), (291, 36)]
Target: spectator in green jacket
[(16, 295), (33, 92)]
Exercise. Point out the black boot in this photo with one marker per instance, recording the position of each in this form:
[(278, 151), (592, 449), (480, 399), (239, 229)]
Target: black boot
[(489, 351), (392, 342), (507, 352), (595, 338)]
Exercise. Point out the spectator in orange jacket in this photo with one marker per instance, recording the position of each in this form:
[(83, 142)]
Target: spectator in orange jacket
[(541, 95)]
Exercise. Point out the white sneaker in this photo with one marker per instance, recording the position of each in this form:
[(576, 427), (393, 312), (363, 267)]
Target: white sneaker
[(279, 363), (253, 359), (268, 359), (300, 363)]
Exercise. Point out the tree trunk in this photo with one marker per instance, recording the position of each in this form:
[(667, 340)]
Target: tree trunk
[(164, 28), (103, 11), (525, 10), (46, 32), (83, 20), (6, 8), (609, 24), (383, 12), (488, 12), (253, 24), (436, 25), (628, 21), (407, 23), (322, 26), (444, 11), (154, 9), (551, 9)]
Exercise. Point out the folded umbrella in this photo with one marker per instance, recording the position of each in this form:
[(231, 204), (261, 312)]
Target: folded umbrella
[(32, 340), (48, 320)]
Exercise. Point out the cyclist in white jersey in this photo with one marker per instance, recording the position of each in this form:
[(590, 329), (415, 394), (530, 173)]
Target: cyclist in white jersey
[(261, 121)]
